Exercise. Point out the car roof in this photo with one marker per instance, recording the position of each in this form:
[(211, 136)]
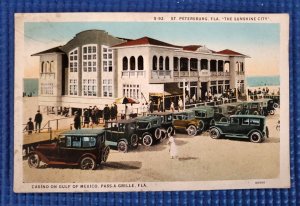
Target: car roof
[(147, 118), (160, 113), (208, 108), (82, 132), (249, 116), (184, 112), (123, 121)]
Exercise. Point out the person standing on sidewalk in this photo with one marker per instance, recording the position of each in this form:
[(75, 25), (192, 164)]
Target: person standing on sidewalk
[(30, 126), (77, 121), (38, 121)]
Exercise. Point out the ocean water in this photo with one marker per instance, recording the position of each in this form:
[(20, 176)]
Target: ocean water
[(257, 81), (31, 86)]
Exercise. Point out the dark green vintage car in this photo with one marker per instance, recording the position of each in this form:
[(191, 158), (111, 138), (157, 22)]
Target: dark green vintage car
[(186, 122), (252, 127), (148, 129), (205, 115), (122, 135), (166, 121)]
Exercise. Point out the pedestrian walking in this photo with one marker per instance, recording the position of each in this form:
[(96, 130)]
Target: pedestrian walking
[(172, 106), (106, 114), (77, 121), (86, 118), (151, 106), (180, 105), (29, 126), (172, 147), (113, 112), (144, 109), (38, 121)]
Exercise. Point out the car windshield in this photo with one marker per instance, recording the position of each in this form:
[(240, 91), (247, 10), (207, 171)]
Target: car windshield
[(142, 125)]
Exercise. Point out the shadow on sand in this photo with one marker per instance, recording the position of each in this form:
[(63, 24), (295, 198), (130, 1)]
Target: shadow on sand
[(124, 165)]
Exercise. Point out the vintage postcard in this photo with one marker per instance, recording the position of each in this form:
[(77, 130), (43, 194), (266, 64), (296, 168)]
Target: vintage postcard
[(151, 102)]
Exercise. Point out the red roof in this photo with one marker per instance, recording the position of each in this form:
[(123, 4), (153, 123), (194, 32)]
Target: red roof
[(145, 41), (191, 47), (230, 53)]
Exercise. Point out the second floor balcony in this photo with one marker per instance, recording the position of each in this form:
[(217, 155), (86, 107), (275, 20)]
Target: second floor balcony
[(133, 74), (161, 74), (48, 75)]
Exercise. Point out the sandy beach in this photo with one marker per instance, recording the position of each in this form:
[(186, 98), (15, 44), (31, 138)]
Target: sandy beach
[(199, 158)]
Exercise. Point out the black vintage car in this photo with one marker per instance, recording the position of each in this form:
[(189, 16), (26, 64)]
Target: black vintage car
[(122, 135), (148, 129), (85, 147), (205, 114), (166, 121), (267, 106), (252, 127)]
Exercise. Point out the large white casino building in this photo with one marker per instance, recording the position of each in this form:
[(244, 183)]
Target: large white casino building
[(95, 68)]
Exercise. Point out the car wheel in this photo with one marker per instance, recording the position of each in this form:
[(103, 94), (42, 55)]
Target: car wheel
[(212, 122), (170, 131), (34, 160), (255, 137), (255, 112), (147, 140), (214, 133), (122, 146), (134, 141), (201, 125), (275, 105), (272, 112), (157, 133), (105, 154), (164, 134), (192, 130), (87, 163)]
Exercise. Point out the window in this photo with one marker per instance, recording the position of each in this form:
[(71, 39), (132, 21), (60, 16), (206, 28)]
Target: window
[(73, 142), (88, 141), (167, 64), (73, 60), (154, 63), (125, 63), (200, 114), (140, 63), (176, 64), (132, 63), (47, 88), (132, 91), (107, 59), (254, 122), (89, 87), (245, 121), (161, 63), (89, 58), (73, 86), (234, 120), (107, 87)]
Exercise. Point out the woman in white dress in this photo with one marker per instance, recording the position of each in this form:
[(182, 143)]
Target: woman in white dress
[(172, 148)]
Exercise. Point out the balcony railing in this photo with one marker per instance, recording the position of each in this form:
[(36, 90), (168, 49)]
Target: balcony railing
[(133, 74), (48, 75), (160, 74)]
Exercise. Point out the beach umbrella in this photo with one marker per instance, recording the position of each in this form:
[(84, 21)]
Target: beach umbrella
[(126, 100)]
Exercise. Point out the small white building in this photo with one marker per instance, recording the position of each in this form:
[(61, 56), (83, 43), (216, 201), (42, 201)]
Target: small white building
[(95, 68)]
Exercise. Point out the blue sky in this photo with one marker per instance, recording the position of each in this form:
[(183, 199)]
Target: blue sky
[(259, 41)]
